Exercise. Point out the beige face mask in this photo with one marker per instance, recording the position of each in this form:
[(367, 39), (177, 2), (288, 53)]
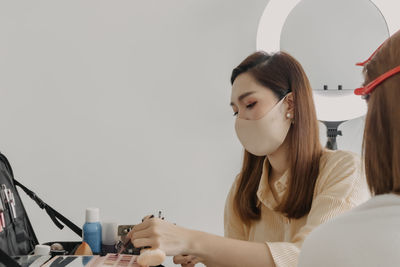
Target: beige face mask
[(263, 136)]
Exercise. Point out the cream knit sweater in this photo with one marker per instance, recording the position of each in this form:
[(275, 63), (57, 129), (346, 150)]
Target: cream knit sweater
[(367, 236)]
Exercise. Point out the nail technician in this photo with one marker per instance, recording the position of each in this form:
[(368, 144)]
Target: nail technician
[(288, 184)]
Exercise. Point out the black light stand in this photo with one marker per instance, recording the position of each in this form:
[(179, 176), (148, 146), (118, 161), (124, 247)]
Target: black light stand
[(332, 132)]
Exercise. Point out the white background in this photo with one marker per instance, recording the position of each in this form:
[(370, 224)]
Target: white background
[(124, 105)]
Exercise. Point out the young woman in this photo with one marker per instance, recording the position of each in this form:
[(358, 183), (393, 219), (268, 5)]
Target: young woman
[(370, 234), (288, 184)]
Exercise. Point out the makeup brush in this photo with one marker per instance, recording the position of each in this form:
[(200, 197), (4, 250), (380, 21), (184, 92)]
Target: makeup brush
[(128, 243)]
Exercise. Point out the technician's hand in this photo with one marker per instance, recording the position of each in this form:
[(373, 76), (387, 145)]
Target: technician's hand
[(157, 233), (186, 260)]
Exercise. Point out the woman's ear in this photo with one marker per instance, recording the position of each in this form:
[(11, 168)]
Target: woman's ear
[(290, 103)]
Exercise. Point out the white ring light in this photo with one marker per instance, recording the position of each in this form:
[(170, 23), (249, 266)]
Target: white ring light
[(271, 24)]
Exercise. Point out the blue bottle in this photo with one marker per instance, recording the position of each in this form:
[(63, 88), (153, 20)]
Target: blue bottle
[(92, 230)]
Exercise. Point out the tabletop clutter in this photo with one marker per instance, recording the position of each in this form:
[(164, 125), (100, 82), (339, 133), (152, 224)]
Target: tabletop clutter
[(103, 244)]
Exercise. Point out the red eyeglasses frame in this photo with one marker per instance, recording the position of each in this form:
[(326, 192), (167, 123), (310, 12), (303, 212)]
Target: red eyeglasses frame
[(366, 90)]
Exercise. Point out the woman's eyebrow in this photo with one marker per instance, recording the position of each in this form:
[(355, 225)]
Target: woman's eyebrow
[(242, 96)]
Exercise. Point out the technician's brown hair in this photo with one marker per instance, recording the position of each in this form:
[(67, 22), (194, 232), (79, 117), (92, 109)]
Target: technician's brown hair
[(381, 145), (282, 74)]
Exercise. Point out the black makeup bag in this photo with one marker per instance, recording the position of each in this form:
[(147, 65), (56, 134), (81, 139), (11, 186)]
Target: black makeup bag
[(17, 236)]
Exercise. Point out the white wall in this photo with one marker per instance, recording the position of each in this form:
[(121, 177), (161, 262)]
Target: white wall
[(124, 105)]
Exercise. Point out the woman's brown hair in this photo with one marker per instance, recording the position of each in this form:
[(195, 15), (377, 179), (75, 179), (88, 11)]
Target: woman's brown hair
[(282, 74), (381, 146)]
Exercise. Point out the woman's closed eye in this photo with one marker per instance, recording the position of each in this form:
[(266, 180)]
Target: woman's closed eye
[(248, 106), (251, 105)]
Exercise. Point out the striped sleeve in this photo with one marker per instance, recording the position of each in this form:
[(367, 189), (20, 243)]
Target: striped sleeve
[(233, 227)]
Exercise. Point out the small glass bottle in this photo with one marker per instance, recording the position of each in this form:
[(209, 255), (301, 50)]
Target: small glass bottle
[(109, 237)]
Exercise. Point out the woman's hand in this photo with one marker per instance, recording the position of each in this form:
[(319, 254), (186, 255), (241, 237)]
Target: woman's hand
[(157, 233), (186, 260)]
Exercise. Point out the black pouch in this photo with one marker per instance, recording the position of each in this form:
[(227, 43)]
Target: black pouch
[(17, 236)]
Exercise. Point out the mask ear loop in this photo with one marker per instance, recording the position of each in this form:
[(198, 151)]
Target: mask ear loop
[(288, 115)]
